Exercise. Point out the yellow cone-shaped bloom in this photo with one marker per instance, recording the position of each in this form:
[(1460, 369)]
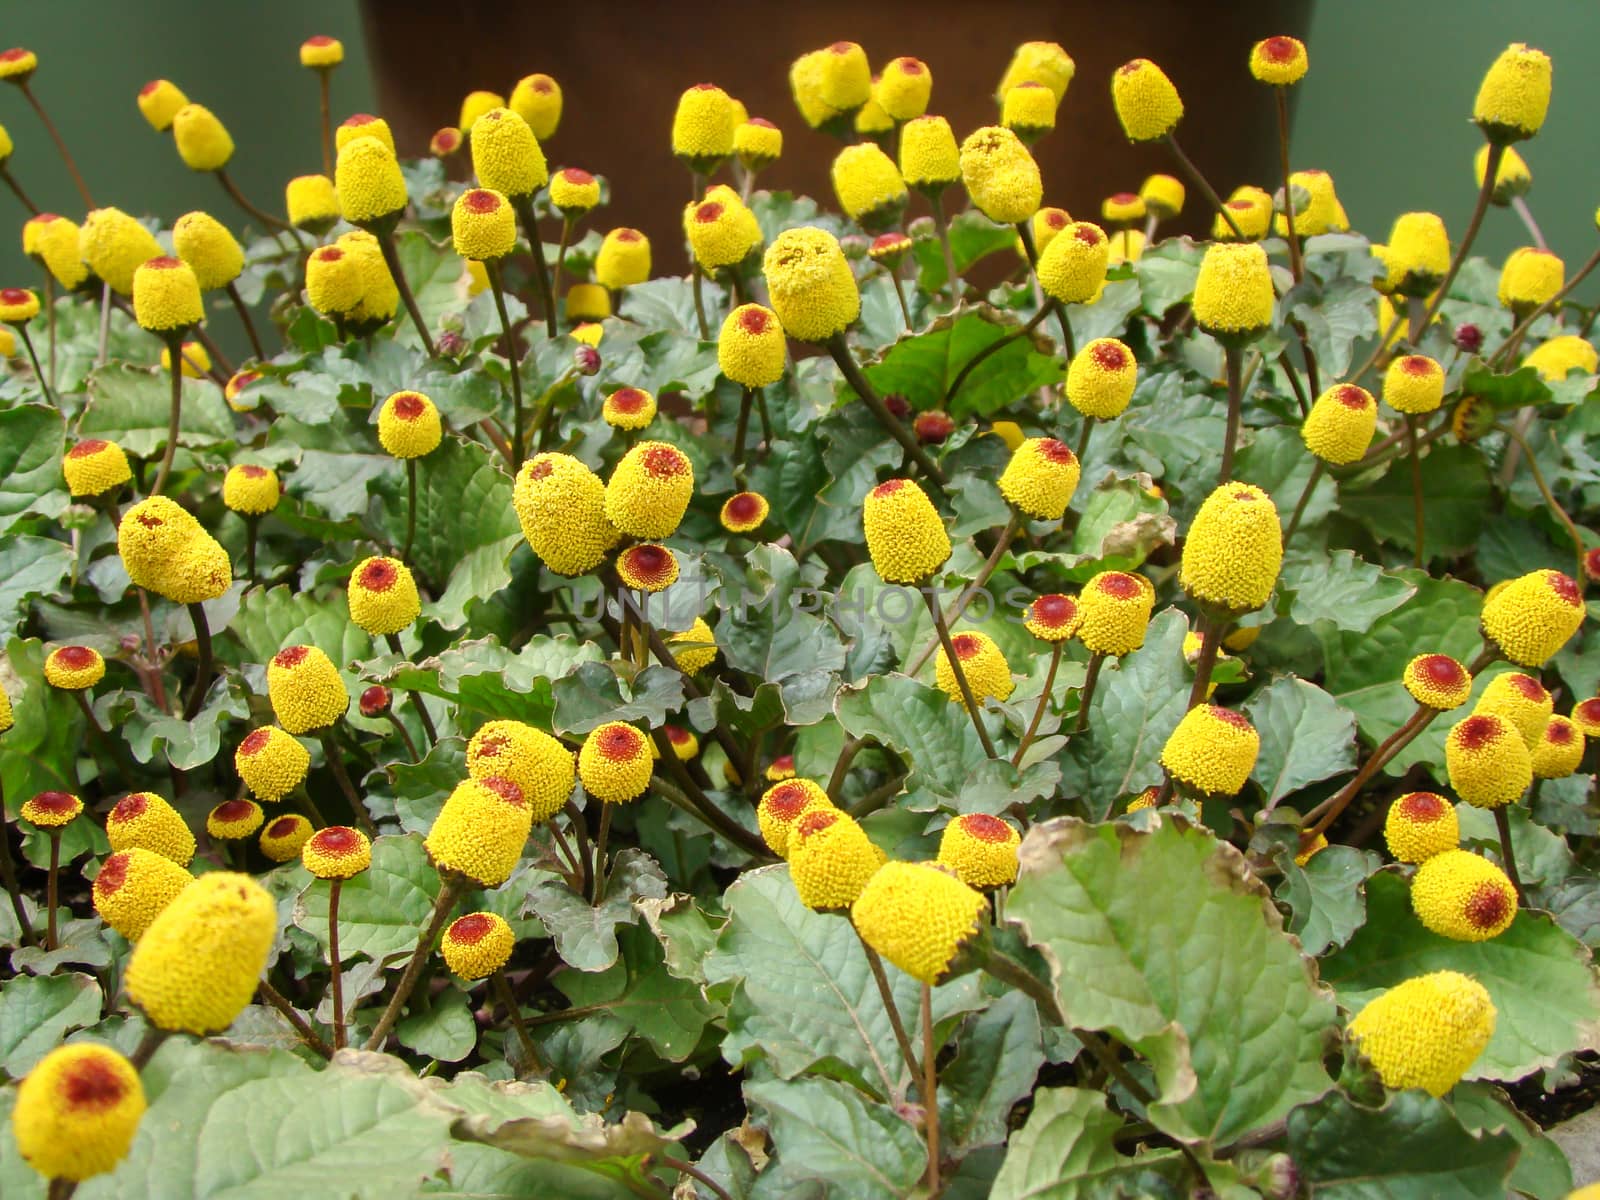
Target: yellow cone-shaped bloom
[(335, 282), (1233, 296), (233, 819), (160, 101), (251, 490), (1038, 62), (683, 741), (1420, 825), (337, 852), (1462, 896), (812, 288), (165, 551), (76, 1112), (649, 490), (1040, 478), (844, 80), (905, 536), (73, 668), (694, 648), (830, 859), (573, 192), (629, 408), (587, 302), (1341, 423), (703, 125), (1280, 61), (475, 104), (383, 596), (145, 820), (1147, 104), (283, 838), (614, 763), (1586, 716), (311, 203), (929, 157), (1532, 617), (320, 52), (18, 306), (271, 763), (193, 361), (533, 760), (363, 125), (1251, 210), (1001, 175), (1233, 549), (1114, 612), (114, 246), (481, 830), (1437, 681), (1029, 110), (477, 945), (647, 567), (1427, 1031), (623, 259), (744, 512), (782, 805), (1047, 223), (1072, 268), (213, 254), (537, 100), (561, 505), (805, 81), (1514, 95), (981, 850), (380, 297), (751, 347), (305, 689), (758, 143), (1529, 278), (1163, 196), (918, 916), (721, 230), (1213, 750), (483, 226), (54, 241), (1555, 359), (868, 185), (1511, 180), (986, 669), (1520, 699), (1487, 760), (203, 142), (94, 466), (409, 425), (903, 88), (368, 182), (166, 295), (1321, 212), (1413, 383), (52, 810), (132, 888), (1053, 617), (1418, 253), (1122, 208), (1101, 379), (1559, 749)]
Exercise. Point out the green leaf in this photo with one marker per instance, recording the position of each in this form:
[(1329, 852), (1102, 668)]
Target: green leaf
[(35, 1013), (1327, 897), (1066, 1152), (1455, 493), (593, 694), (767, 633), (1128, 921), (1340, 588), (270, 619), (1411, 1148), (1542, 1170), (919, 723), (922, 368), (32, 439), (38, 752), (438, 1026), (150, 731), (639, 993), (1277, 461), (1539, 976), (586, 934), (1000, 1051), (484, 677), (29, 566), (382, 909), (1106, 317), (825, 1133), (972, 237), (132, 406), (1512, 390), (1166, 274), (1305, 736), (1342, 314), (1544, 860)]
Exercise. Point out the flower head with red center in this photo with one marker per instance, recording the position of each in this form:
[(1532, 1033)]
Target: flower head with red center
[(1041, 478), (751, 348), (981, 850), (77, 1111), (1072, 268), (1052, 618), (483, 225), (234, 819), (409, 425), (283, 838), (782, 805), (1413, 383), (94, 466), (74, 668), (337, 852), (481, 830), (623, 259), (985, 667), (905, 535), (918, 916), (1559, 750), (614, 763), (271, 763), (889, 248), (1532, 617), (321, 52), (1437, 681), (477, 945), (561, 506), (683, 741), (744, 512), (1463, 896), (1212, 750), (52, 810), (132, 888), (1114, 612), (1101, 379), (159, 102), (647, 567), (1426, 1032), (305, 688), (830, 858), (251, 490), (1586, 716), (649, 490), (1279, 61), (537, 100), (383, 596), (1341, 423), (145, 820), (573, 192), (1487, 760), (166, 295), (629, 408), (1520, 699), (368, 182)]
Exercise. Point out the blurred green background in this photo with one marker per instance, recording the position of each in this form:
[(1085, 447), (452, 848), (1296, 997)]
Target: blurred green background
[(1384, 108)]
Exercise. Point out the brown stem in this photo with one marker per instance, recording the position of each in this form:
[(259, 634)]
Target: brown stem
[(1296, 263), (1416, 485), (1200, 181), (580, 831), (1549, 497), (149, 1042), (930, 1090), (598, 884), (405, 735), (252, 524), (221, 369), (451, 887), (1491, 168), (502, 991), (247, 321), (1233, 359), (1328, 811), (16, 190), (952, 277), (881, 978), (740, 430), (270, 222), (567, 226), (900, 295), (541, 271), (695, 275), (518, 437), (1502, 821), (959, 672), (996, 346), (330, 751), (327, 122), (60, 1189), (959, 606), (1210, 642), (38, 371), (1520, 206), (55, 136), (1294, 384), (841, 766), (8, 873), (411, 508), (1300, 505), (696, 1174), (1083, 438), (1516, 335), (701, 804), (175, 352), (391, 258), (839, 350), (1086, 696), (417, 704), (298, 1023), (202, 645), (50, 886), (333, 959), (1384, 340), (50, 310), (1044, 703)]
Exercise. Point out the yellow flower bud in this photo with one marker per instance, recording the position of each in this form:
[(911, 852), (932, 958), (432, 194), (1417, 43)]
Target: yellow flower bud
[(1251, 209), (52, 810), (1487, 761), (166, 295), (587, 302), (482, 225), (477, 945), (55, 242), (1559, 749), (721, 230), (683, 742), (211, 251), (918, 916), (1420, 825), (1163, 196), (1529, 278), (614, 763), (164, 550), (1047, 223), (1426, 1032), (311, 203), (203, 142), (335, 282), (694, 648), (481, 830), (446, 140), (1514, 95), (1512, 179), (1418, 254), (1341, 423), (1586, 716), (574, 192), (1520, 699), (1029, 110), (283, 838), (474, 105), (1101, 379), (903, 89), (981, 850), (1233, 549), (160, 101), (1121, 208), (868, 185), (929, 158), (758, 143), (629, 408), (1462, 896), (321, 52), (144, 820), (1555, 359), (845, 77), (93, 467), (383, 596), (751, 346), (233, 819), (1437, 681), (830, 859), (647, 567), (702, 127), (251, 490), (76, 1112), (1040, 478), (537, 100), (1533, 616), (337, 852), (1114, 612), (1073, 267), (74, 668), (409, 425), (744, 512), (1147, 104), (1280, 61), (988, 674), (561, 505), (1233, 295), (1322, 212), (1213, 750), (649, 490), (782, 805), (368, 182), (530, 758), (193, 361), (1413, 383), (1000, 175), (1038, 62), (305, 689), (18, 306), (805, 81), (271, 763), (132, 888), (905, 535), (1052, 618), (623, 259), (363, 125)]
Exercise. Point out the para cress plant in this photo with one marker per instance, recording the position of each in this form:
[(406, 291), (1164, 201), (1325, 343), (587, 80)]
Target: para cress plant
[(542, 728)]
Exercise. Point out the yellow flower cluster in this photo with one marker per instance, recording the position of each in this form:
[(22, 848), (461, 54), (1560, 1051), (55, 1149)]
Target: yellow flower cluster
[(271, 763), (830, 859), (54, 242), (703, 125), (721, 229), (1114, 612), (744, 512), (812, 288), (383, 596), (1213, 750), (203, 142), (77, 1111), (482, 225), (929, 158), (573, 192), (537, 100), (113, 245), (1437, 681), (694, 648), (335, 282), (1425, 1032), (477, 945), (1233, 549), (1280, 61), (320, 52), (758, 143), (305, 689), (750, 347), (165, 551), (1487, 761), (647, 567), (159, 101), (1559, 749), (649, 491), (561, 506), (782, 805), (1321, 213), (144, 820), (918, 916), (132, 888), (868, 185), (1052, 618), (52, 810), (1001, 175), (368, 182), (1341, 423), (1233, 295), (1413, 383), (629, 408), (311, 203), (1514, 95), (363, 125), (1463, 896), (1520, 699), (409, 425), (1040, 478), (905, 536), (533, 760), (1072, 268), (981, 850), (1529, 278), (903, 88), (166, 295), (1532, 617), (1420, 825), (1251, 210), (337, 852), (987, 672), (1101, 379), (505, 155), (614, 763), (481, 830), (1511, 180), (212, 252)]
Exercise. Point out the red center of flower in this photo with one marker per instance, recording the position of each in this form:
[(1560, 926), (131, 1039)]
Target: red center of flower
[(447, 138), (909, 66), (649, 563), (784, 762), (754, 319), (884, 243), (1442, 671), (164, 262), (253, 472), (1278, 49), (335, 841), (1530, 687), (92, 1085), (1054, 609), (492, 745), (1423, 807), (505, 789), (255, 741), (13, 54), (744, 507), (151, 86), (358, 120), (291, 656), (54, 802), (1228, 717), (676, 734), (627, 235), (619, 743), (1352, 397), (984, 827), (627, 400), (1057, 452), (708, 212), (379, 575), (543, 85), (763, 122), (664, 462), (933, 426), (43, 219), (1588, 711), (1124, 198), (1477, 732), (842, 47), (328, 254), (1417, 364), (577, 176), (815, 821), (1591, 563), (283, 827), (408, 406), (1487, 906), (1132, 67), (130, 807), (1565, 588), (1109, 356), (1087, 234), (75, 658), (888, 487), (1119, 585), (16, 295), (233, 810), (243, 380), (787, 799), (1558, 733), (1242, 206), (704, 87), (968, 645), (113, 874), (481, 200), (150, 522), (319, 39), (471, 929)]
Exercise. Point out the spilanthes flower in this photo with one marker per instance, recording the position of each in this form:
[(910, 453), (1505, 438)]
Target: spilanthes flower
[(587, 302), (780, 768), (1586, 716), (1280, 61), (409, 425), (193, 361), (145, 820), (18, 306), (337, 852), (1413, 383), (702, 127), (812, 288), (629, 408), (165, 550), (1520, 699), (368, 182), (903, 88), (114, 246), (380, 297), (251, 490), (1425, 1032), (1046, 224), (782, 805), (1073, 267), (649, 490), (844, 78), (477, 945), (166, 295), (986, 669), (1052, 618), (530, 758), (446, 140), (830, 859), (1233, 296), (905, 536), (929, 159), (561, 505), (311, 203), (160, 101), (52, 810), (482, 225), (1420, 825), (868, 185), (751, 347), (1040, 478), (614, 763), (132, 888), (1559, 749), (1487, 761), (203, 142), (1147, 104), (481, 830), (1038, 62), (694, 648), (573, 192), (320, 52), (363, 125), (74, 668), (283, 837), (1101, 379), (918, 916), (477, 104), (805, 82), (1514, 95), (1251, 210), (271, 763), (1163, 196), (1127, 246), (1233, 550), (1341, 423), (1321, 213), (1317, 846), (1463, 896), (383, 596), (1511, 180), (1122, 207), (744, 512), (1029, 110), (1001, 175), (1437, 681), (1533, 616), (198, 964), (305, 689), (94, 466), (1114, 612), (1418, 253), (683, 742), (758, 143), (721, 230), (54, 242), (647, 567), (233, 819), (1558, 357), (537, 100), (623, 259), (213, 254), (981, 850), (77, 1111), (1529, 278), (1213, 750), (588, 334)]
